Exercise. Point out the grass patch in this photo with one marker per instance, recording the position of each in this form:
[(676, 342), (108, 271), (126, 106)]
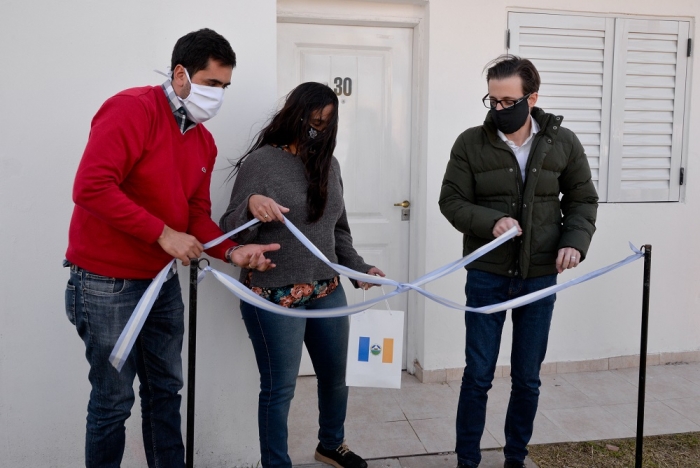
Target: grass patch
[(665, 451)]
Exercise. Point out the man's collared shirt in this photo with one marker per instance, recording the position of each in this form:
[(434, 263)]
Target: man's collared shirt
[(522, 152), (177, 107), (184, 124)]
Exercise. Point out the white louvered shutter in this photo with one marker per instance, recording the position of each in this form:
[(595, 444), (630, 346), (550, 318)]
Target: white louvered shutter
[(574, 56), (648, 109)]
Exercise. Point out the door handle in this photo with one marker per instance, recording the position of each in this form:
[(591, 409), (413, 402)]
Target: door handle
[(403, 204)]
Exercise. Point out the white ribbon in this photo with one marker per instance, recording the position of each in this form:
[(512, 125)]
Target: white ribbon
[(133, 327), (138, 317)]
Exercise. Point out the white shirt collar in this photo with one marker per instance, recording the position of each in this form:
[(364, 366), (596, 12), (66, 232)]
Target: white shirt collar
[(534, 128)]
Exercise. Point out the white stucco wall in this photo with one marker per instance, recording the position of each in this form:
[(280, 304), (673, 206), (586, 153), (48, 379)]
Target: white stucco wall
[(598, 319), (62, 60)]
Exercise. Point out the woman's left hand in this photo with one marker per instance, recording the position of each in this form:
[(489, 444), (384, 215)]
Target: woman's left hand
[(372, 271)]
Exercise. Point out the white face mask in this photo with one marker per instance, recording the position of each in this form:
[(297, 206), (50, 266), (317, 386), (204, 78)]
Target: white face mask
[(203, 102)]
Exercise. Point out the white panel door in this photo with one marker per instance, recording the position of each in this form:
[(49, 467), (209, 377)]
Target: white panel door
[(369, 68)]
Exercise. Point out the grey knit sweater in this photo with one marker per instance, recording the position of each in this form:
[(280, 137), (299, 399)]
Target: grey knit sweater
[(277, 174)]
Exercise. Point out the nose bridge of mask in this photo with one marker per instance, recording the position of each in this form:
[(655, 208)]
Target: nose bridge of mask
[(209, 92)]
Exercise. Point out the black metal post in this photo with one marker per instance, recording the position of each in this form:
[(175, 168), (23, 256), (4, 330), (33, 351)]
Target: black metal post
[(643, 357), (191, 363)]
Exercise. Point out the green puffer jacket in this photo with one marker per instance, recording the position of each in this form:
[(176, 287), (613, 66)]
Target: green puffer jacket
[(483, 184)]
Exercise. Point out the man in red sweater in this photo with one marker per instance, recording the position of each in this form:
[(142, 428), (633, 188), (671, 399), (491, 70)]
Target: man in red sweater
[(141, 198)]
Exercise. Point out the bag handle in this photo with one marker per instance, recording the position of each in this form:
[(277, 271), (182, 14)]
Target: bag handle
[(386, 301)]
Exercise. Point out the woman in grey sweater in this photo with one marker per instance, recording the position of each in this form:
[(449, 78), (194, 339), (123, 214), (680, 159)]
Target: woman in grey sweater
[(290, 170)]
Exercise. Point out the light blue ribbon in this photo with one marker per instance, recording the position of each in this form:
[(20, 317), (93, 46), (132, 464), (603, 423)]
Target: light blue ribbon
[(133, 327)]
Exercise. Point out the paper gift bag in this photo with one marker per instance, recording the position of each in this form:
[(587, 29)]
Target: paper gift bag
[(375, 349)]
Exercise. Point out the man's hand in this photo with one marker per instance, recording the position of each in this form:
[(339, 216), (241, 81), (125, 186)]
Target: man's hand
[(180, 245), (568, 258), (503, 224), (252, 256), (372, 271), (266, 209)]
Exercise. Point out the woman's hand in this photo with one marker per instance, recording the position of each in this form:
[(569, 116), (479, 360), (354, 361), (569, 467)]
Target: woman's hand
[(266, 209), (252, 256), (372, 271)]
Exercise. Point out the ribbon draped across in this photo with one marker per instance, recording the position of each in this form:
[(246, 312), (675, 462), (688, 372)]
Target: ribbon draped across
[(133, 327)]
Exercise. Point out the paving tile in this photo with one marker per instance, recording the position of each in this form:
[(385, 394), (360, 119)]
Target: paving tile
[(658, 418), (603, 388), (302, 443), (546, 432), (494, 425), (303, 411), (499, 395), (436, 435), (588, 423), (373, 405), (428, 401), (429, 461), (689, 372), (557, 392), (383, 440), (662, 382), (688, 407)]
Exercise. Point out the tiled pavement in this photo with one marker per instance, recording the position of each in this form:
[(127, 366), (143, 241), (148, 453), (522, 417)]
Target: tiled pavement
[(414, 426)]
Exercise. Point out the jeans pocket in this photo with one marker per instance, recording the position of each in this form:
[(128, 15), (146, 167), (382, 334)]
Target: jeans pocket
[(70, 302), (103, 285)]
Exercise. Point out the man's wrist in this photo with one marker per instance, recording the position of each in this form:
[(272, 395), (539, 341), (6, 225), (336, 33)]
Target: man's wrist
[(229, 253)]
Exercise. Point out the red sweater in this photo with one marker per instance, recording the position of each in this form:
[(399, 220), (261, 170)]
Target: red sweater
[(137, 174)]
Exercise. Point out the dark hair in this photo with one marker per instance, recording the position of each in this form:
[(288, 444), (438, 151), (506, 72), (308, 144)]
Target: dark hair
[(194, 50), (506, 66), (291, 125)]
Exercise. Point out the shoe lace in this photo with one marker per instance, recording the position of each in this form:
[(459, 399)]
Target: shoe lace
[(343, 449)]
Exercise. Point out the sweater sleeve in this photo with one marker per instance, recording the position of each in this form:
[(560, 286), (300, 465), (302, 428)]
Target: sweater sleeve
[(457, 197), (200, 224), (248, 183), (346, 253), (116, 142), (579, 202)]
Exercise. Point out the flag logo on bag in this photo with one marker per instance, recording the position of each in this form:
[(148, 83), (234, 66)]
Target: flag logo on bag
[(386, 350)]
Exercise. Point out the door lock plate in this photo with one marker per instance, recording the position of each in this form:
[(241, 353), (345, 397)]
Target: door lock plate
[(405, 214)]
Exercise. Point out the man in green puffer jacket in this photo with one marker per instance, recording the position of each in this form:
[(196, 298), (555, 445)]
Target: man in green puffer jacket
[(510, 172)]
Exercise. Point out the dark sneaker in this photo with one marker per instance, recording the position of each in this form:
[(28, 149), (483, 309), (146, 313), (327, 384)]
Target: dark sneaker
[(342, 457), (513, 464)]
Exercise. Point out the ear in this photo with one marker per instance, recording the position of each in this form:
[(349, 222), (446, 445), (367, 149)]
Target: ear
[(532, 100), (180, 83)]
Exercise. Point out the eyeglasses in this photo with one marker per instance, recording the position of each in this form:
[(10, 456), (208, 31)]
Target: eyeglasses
[(491, 103)]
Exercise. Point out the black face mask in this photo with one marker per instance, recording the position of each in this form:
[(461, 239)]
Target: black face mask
[(512, 119)]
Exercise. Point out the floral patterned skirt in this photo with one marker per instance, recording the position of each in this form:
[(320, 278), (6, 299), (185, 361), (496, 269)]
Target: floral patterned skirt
[(295, 295)]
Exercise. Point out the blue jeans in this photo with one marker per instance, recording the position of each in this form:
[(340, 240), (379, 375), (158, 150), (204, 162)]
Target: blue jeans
[(277, 342), (99, 307), (530, 334)]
